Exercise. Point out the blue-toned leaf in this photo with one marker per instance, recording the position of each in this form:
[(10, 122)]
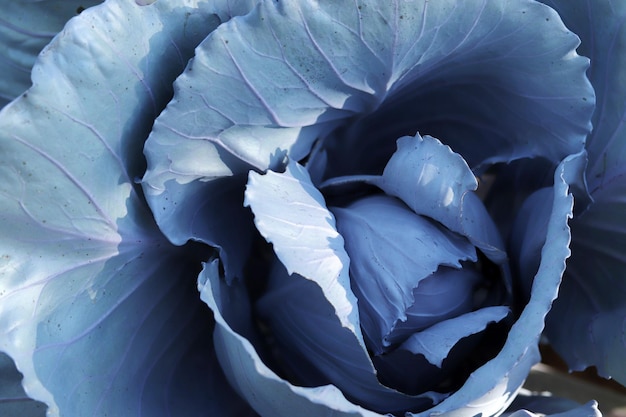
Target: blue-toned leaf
[(25, 28), (491, 78), (304, 323), (98, 310), (13, 400), (528, 236), (438, 356), (601, 25), (326, 62), (436, 341), (493, 386), (547, 404), (543, 404), (392, 249), (506, 187), (206, 206), (265, 391), (588, 323), (447, 293), (436, 182), (486, 393), (290, 213), (429, 177)]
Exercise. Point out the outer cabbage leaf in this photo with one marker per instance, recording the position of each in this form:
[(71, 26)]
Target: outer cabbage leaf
[(25, 28), (588, 323), (324, 63), (94, 306), (530, 404), (601, 26), (470, 61), (13, 400), (587, 410)]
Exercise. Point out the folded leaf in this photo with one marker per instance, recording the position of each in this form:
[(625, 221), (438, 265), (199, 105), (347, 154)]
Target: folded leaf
[(305, 325), (25, 28), (436, 182), (587, 325), (265, 391), (290, 213), (438, 357), (429, 177), (98, 310), (587, 410), (320, 320), (447, 293), (436, 342), (495, 80)]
